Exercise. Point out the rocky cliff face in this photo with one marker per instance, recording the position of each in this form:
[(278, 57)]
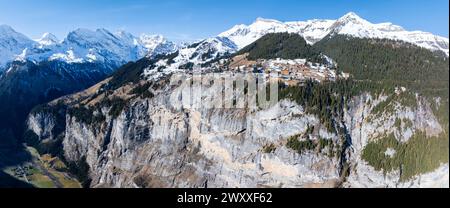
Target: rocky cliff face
[(364, 126), (25, 85), (152, 143)]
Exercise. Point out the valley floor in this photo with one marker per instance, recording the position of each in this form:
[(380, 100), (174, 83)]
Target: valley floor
[(35, 170)]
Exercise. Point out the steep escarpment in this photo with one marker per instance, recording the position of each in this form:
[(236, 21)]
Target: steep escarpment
[(153, 143), (137, 131), (394, 148), (25, 85)]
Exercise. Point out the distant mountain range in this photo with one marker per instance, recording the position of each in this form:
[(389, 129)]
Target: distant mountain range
[(36, 71), (349, 24), (81, 46), (312, 31), (101, 45)]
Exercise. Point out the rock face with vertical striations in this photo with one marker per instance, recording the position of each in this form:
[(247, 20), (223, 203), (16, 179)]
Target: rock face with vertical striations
[(152, 143)]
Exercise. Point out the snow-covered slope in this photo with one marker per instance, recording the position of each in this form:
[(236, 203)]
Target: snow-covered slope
[(156, 44), (99, 45), (191, 56), (11, 44), (243, 35), (349, 24), (81, 45), (47, 39), (206, 50), (352, 24)]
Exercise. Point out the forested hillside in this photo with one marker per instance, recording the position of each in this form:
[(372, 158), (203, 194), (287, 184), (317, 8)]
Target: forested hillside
[(392, 62), (282, 45)]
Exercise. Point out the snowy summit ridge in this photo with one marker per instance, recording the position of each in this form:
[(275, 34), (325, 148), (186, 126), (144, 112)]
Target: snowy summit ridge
[(349, 24), (101, 45), (81, 45), (47, 39)]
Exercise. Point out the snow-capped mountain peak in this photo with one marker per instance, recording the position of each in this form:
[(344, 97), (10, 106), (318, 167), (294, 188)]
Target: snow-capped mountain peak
[(12, 43), (243, 35), (195, 54), (7, 31), (219, 44), (127, 38), (151, 41), (350, 24), (81, 45), (124, 34), (352, 17), (353, 25), (236, 31), (87, 38), (156, 44), (207, 50), (47, 39)]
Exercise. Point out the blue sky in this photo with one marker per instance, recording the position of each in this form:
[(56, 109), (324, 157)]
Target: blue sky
[(196, 19)]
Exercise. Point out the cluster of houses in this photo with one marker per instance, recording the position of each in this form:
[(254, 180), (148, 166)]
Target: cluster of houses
[(290, 71), (22, 171)]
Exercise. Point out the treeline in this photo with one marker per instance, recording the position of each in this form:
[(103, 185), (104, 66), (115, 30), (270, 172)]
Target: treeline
[(131, 72)]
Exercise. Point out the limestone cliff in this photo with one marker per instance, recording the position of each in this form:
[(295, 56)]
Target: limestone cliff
[(152, 143)]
